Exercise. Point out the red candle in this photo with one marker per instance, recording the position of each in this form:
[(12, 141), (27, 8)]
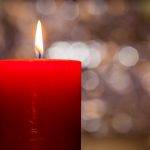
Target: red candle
[(40, 104)]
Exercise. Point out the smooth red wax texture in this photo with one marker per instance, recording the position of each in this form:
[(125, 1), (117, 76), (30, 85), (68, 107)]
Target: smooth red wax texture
[(40, 105)]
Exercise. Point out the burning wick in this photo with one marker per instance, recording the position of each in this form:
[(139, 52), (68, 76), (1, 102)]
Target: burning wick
[(39, 41)]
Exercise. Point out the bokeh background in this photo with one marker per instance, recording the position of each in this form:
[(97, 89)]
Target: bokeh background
[(112, 39)]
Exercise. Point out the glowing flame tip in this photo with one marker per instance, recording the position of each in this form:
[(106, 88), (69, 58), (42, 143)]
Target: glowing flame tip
[(39, 39)]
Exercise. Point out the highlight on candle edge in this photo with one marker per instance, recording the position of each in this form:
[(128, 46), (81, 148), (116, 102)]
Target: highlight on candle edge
[(39, 40)]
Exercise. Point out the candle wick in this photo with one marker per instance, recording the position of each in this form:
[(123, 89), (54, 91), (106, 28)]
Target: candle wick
[(39, 55)]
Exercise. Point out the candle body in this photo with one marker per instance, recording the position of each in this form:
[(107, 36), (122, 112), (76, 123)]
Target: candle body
[(40, 105)]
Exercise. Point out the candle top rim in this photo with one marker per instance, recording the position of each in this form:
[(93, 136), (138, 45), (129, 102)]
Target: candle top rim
[(36, 59), (39, 60)]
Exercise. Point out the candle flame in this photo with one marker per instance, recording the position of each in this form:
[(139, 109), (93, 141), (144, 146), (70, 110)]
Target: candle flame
[(39, 39)]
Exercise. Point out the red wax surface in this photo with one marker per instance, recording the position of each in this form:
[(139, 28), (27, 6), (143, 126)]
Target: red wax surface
[(40, 102)]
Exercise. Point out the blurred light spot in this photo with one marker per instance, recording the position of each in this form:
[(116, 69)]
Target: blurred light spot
[(80, 52), (46, 7), (70, 10), (93, 8), (73, 51), (128, 56), (92, 111), (92, 125), (89, 110), (97, 52), (122, 123), (59, 50), (90, 80), (119, 80)]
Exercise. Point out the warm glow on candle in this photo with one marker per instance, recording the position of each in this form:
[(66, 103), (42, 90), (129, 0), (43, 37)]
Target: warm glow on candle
[(39, 40)]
